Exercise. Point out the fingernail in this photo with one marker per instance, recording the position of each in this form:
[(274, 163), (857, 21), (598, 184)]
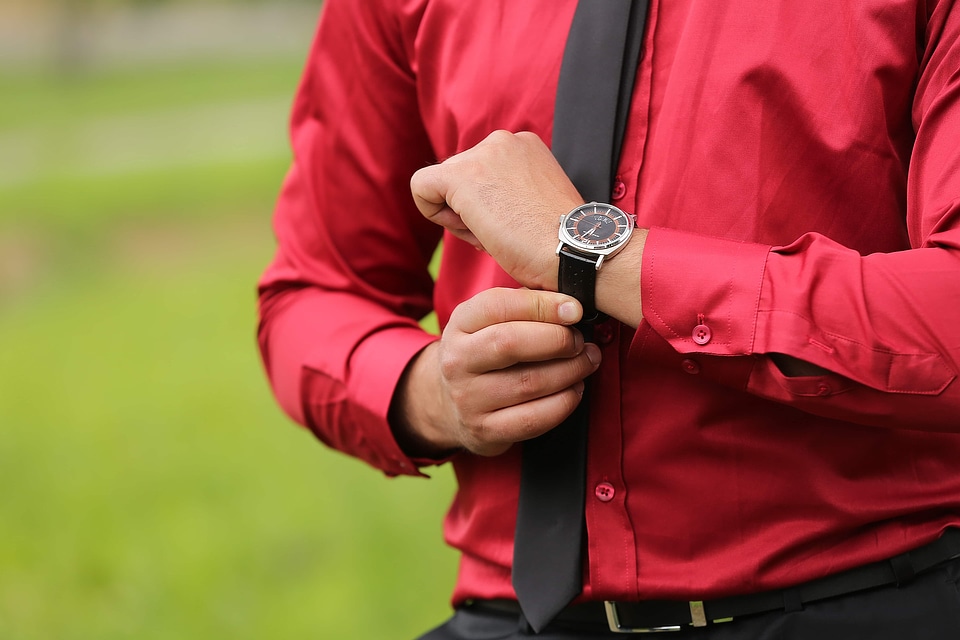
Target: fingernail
[(577, 341), (579, 387), (593, 354), (568, 312)]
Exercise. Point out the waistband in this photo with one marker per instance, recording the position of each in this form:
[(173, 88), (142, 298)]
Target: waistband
[(669, 615)]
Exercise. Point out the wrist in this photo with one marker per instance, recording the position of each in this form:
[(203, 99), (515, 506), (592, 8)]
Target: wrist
[(600, 251), (416, 411), (618, 282)]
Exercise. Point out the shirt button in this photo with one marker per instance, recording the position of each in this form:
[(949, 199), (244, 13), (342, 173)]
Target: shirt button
[(605, 492), (603, 333), (823, 390), (690, 366), (702, 334), (619, 190)]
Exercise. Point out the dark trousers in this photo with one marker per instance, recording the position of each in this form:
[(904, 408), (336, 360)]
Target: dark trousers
[(927, 608)]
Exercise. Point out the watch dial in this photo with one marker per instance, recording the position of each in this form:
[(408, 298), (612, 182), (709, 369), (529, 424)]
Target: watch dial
[(597, 226)]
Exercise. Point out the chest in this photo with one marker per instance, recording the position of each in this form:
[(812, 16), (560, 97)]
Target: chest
[(494, 64)]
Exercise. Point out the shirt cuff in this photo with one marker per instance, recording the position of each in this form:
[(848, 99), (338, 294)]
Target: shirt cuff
[(701, 294), (373, 370)]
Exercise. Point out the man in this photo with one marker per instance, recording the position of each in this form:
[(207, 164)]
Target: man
[(773, 399)]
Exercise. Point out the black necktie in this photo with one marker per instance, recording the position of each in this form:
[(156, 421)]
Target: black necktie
[(593, 100)]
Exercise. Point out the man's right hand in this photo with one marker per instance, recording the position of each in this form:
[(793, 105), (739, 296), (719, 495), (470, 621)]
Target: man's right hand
[(508, 367)]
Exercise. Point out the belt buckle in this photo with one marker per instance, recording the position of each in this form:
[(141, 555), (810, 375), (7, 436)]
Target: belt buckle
[(697, 615)]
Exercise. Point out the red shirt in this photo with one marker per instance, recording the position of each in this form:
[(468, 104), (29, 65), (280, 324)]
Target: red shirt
[(799, 165)]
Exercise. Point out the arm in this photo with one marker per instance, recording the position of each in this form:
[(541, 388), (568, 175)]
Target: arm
[(876, 336), (869, 339), (339, 305)]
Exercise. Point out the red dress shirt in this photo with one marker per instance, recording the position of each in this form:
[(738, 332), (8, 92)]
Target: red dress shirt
[(799, 166)]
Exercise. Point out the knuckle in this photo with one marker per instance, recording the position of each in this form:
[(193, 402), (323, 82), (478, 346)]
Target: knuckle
[(580, 366), (566, 340), (572, 397), (562, 403), (568, 372), (568, 401), (457, 397), (527, 137), (503, 342), (494, 305), (489, 305), (457, 314), (451, 363), (471, 429), (528, 423), (477, 431), (542, 308), (528, 383), (500, 136)]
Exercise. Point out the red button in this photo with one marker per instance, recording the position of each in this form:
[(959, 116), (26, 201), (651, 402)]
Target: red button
[(823, 390), (603, 333), (605, 492), (619, 190), (690, 366), (702, 334)]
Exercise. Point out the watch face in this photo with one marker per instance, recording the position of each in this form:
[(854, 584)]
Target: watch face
[(596, 226)]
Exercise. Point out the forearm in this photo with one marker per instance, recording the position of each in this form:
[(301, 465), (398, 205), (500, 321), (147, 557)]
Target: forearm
[(340, 304), (339, 388), (618, 283), (813, 325)]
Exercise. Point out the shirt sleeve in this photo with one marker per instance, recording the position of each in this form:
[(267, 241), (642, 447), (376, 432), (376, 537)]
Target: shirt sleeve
[(885, 327), (339, 304)]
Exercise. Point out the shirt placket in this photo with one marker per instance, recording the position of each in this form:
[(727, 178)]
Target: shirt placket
[(613, 561)]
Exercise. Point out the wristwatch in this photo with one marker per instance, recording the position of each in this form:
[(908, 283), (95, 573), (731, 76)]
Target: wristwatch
[(589, 234)]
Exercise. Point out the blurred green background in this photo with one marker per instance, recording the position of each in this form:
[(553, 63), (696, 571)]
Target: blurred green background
[(150, 486)]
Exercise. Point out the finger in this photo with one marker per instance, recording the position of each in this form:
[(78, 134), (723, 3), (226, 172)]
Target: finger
[(506, 344), (429, 190), (495, 306), (525, 382), (467, 236), (449, 220), (502, 428), (434, 188), (429, 193)]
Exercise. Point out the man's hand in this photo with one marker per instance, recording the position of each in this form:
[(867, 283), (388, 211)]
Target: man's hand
[(506, 196), (508, 367)]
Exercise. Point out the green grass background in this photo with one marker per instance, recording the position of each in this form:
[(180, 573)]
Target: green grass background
[(150, 486)]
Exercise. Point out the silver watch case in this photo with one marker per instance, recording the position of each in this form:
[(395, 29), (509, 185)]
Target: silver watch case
[(602, 251)]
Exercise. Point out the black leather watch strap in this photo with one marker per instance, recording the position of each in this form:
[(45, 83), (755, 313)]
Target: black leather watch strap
[(577, 277)]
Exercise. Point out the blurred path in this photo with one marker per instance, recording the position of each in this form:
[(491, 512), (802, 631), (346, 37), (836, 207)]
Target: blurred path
[(174, 137), (124, 37), (175, 116)]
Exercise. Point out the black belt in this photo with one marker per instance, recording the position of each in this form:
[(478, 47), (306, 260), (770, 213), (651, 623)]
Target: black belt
[(666, 615)]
